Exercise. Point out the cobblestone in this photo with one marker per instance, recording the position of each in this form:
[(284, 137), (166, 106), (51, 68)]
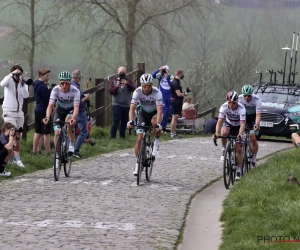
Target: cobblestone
[(100, 206)]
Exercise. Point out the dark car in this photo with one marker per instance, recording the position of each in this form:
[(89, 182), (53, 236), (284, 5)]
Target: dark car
[(280, 109)]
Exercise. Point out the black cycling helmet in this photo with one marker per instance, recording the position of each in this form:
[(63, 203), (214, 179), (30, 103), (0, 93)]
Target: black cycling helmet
[(232, 96)]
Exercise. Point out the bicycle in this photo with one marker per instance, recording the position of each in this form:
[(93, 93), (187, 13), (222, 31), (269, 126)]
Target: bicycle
[(247, 154), (229, 164), (61, 152), (145, 157)]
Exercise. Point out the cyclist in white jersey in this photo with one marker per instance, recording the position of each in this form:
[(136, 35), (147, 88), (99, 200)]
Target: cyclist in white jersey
[(68, 100), (234, 124), (149, 99), (252, 104)]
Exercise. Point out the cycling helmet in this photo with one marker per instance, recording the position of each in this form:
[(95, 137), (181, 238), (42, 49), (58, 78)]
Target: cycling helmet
[(64, 76), (146, 79), (232, 96), (247, 90)]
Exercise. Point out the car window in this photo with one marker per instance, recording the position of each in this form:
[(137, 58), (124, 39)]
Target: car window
[(294, 99), (270, 97)]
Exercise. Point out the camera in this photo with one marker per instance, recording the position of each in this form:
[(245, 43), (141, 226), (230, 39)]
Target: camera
[(25, 79), (19, 130), (122, 76)]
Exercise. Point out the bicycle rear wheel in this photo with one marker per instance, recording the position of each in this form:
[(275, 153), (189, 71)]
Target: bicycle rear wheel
[(249, 156), (141, 160), (67, 161), (58, 157), (227, 170), (150, 161), (233, 165), (245, 158)]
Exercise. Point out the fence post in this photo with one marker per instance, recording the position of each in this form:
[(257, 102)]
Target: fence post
[(141, 70), (100, 101), (213, 113), (25, 125)]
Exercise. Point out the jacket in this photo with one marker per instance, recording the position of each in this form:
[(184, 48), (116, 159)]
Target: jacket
[(121, 96), (14, 94), (42, 96)]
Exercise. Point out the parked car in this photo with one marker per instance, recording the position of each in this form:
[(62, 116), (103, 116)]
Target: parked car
[(280, 108)]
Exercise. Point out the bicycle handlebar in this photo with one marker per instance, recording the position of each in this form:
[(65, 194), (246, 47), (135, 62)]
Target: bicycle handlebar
[(59, 122), (226, 137), (139, 126)]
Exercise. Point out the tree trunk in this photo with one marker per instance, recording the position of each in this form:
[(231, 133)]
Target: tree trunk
[(129, 54), (130, 35), (32, 49)]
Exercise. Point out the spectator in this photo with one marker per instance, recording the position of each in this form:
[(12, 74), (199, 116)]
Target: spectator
[(42, 96), (120, 88), (296, 139), (210, 125), (88, 138), (188, 109), (81, 120), (164, 85), (177, 100), (9, 140), (14, 93)]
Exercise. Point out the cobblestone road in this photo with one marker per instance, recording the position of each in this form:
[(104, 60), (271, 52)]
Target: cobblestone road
[(100, 206)]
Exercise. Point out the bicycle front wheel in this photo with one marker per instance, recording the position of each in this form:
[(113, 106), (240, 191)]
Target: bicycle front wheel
[(227, 169), (141, 159), (58, 157), (67, 162), (150, 161), (245, 168)]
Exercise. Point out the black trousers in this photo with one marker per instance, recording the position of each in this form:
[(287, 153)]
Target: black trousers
[(120, 118)]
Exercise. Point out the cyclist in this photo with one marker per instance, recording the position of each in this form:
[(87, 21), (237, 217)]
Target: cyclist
[(68, 100), (252, 104), (149, 99), (234, 125)]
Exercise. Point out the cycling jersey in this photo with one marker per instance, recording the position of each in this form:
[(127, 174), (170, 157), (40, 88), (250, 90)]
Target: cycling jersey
[(233, 117), (253, 107), (148, 103), (65, 101)]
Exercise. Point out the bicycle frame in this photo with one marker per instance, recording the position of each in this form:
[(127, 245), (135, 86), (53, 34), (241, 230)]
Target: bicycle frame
[(145, 158), (61, 152), (229, 164), (247, 152)]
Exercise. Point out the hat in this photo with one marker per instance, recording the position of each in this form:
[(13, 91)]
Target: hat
[(167, 67)]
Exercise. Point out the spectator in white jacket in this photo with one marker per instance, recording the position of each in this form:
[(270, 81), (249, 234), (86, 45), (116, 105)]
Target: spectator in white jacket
[(14, 93)]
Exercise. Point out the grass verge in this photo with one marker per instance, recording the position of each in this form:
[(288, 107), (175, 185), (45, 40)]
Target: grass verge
[(103, 145), (263, 207)]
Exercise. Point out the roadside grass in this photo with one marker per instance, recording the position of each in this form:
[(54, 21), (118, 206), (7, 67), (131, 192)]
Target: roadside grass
[(263, 204), (103, 145)]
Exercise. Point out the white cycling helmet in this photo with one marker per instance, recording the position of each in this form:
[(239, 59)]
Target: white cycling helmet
[(146, 79)]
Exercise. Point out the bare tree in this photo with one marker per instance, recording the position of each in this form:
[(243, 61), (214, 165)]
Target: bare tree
[(119, 23), (157, 45), (32, 33), (200, 77), (238, 67), (200, 35), (280, 25)]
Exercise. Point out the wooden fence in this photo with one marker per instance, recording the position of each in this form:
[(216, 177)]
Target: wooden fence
[(101, 100)]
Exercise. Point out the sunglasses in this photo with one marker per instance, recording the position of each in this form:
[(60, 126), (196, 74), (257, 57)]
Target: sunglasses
[(247, 95), (64, 83), (147, 85)]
